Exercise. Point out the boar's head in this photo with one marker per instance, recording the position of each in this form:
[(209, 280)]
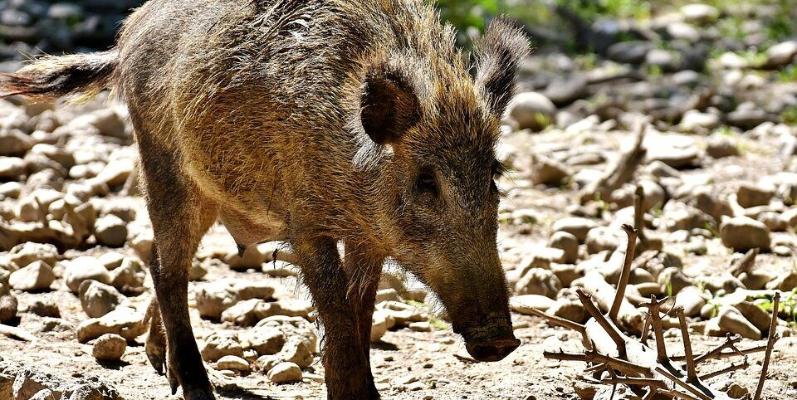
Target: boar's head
[(431, 130)]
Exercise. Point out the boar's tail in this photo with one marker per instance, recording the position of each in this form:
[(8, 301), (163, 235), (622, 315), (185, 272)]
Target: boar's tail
[(51, 76)]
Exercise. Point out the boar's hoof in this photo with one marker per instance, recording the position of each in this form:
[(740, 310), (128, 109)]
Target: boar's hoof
[(199, 394), (493, 350), (156, 353)]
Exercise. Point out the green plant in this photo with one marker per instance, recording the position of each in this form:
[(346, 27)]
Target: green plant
[(594, 9), (588, 61), (788, 305), (782, 26), (654, 71), (754, 57), (668, 288), (726, 131), (438, 324), (656, 211), (788, 74), (468, 14), (712, 227), (789, 115), (731, 27)]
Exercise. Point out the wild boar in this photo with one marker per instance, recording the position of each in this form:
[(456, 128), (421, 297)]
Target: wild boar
[(315, 122)]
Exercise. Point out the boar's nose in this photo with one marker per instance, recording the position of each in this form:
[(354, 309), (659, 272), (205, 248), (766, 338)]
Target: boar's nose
[(492, 350)]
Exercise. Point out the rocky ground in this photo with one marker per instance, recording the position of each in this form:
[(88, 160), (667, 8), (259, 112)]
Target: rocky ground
[(716, 163)]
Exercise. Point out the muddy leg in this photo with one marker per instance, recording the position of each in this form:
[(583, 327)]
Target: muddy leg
[(180, 217), (347, 372)]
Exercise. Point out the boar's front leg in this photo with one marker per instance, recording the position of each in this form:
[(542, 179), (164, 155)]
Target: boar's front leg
[(363, 269), (346, 366)]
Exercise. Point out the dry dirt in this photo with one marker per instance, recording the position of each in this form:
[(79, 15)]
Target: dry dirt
[(418, 365)]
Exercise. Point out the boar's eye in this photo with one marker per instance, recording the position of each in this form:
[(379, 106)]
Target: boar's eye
[(426, 182), (498, 170)]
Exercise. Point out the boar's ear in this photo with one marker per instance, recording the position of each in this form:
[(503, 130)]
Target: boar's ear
[(498, 54), (389, 105)]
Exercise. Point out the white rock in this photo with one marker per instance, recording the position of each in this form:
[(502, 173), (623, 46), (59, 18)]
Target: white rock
[(781, 54), (721, 147), (129, 277), (28, 252), (743, 233), (691, 299), (35, 276), (378, 326), (285, 372), (14, 142), (568, 243), (10, 190), (255, 255), (84, 268), (98, 299), (538, 281), (683, 31), (753, 195), (116, 172), (524, 304), (215, 297), (233, 363), (34, 205), (123, 321), (12, 168), (254, 290), (402, 314), (296, 350), (731, 320), (109, 347), (732, 60), (696, 121), (546, 171), (110, 231), (112, 260), (218, 345), (701, 13), (293, 326), (576, 226), (264, 340), (531, 110)]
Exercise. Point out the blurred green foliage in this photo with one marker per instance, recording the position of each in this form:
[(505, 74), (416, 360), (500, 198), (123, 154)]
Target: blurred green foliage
[(471, 16), (468, 14), (788, 74), (593, 9)]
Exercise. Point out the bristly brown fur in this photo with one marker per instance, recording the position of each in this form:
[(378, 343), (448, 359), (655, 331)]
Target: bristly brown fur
[(498, 54), (61, 76), (314, 122)]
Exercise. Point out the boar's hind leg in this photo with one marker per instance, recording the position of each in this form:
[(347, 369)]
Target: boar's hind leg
[(346, 367), (180, 216), (156, 339)]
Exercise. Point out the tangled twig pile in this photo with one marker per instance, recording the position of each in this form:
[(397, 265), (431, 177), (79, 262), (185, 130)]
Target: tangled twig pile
[(617, 358)]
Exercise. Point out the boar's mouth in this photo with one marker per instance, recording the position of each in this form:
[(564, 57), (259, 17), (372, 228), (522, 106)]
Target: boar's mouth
[(492, 340)]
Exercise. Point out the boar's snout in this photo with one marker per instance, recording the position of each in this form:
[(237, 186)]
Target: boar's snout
[(491, 342), (494, 350)]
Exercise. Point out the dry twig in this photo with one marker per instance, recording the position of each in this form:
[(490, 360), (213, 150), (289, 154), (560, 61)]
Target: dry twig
[(624, 360), (773, 325), (620, 172)]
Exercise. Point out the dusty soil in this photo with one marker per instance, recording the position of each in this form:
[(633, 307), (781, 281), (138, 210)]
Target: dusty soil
[(749, 109), (408, 364)]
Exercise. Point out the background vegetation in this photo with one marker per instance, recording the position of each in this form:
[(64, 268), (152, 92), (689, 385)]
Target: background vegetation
[(547, 17)]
